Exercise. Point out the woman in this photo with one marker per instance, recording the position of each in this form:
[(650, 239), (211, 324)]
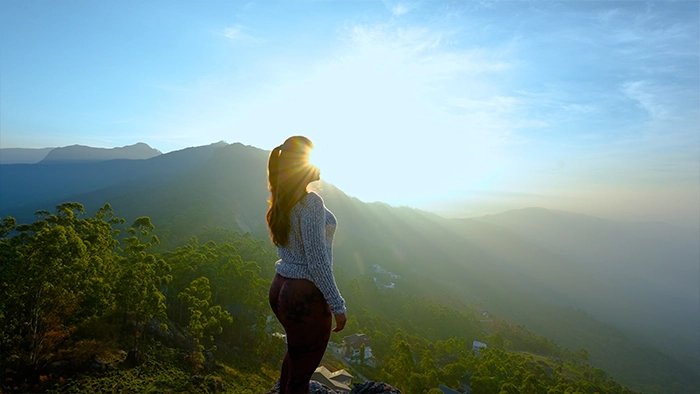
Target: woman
[(303, 294)]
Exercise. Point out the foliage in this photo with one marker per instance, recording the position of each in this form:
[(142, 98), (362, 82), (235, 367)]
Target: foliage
[(56, 273), (205, 319), (161, 372), (71, 281), (137, 293)]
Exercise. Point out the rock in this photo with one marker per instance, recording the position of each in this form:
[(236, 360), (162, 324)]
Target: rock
[(173, 336), (314, 388), (374, 388), (95, 363), (319, 388), (358, 388), (60, 367), (275, 389), (209, 363)]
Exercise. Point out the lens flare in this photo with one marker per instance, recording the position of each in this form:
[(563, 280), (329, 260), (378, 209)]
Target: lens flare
[(314, 165), (313, 159)]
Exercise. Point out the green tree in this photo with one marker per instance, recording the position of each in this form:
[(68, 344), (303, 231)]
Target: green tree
[(401, 365), (235, 284), (484, 385), (509, 388), (55, 276), (205, 320), (138, 298), (582, 355)]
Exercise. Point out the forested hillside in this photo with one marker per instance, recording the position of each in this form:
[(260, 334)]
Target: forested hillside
[(448, 270), (88, 304), (28, 187)]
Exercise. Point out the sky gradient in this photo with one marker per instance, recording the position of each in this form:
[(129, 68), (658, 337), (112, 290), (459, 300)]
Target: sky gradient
[(463, 108)]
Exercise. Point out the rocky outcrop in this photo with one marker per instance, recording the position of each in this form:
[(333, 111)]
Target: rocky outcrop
[(358, 388), (374, 388)]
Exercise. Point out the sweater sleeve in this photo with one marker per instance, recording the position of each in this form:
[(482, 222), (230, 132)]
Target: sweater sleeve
[(313, 233)]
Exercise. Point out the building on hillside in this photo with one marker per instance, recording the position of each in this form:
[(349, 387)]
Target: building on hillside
[(353, 344), (378, 269), (280, 335), (464, 383), (335, 347), (389, 285), (338, 380), (484, 316), (477, 346), (269, 323)]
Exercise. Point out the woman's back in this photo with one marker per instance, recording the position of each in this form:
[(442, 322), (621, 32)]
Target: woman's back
[(308, 253)]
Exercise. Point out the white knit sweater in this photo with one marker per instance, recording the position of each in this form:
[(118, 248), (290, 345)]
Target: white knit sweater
[(309, 251)]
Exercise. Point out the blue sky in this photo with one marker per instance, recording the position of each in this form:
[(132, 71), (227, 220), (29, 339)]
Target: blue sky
[(464, 108)]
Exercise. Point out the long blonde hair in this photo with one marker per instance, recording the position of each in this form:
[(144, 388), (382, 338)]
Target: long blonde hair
[(288, 174)]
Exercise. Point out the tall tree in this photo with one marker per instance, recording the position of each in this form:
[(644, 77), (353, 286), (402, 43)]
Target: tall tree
[(138, 297), (206, 320)]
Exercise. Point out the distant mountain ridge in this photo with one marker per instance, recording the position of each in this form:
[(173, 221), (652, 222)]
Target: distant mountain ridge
[(23, 155), (76, 153), (31, 184)]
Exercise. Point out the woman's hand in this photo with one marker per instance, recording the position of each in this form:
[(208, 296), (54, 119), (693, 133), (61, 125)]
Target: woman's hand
[(340, 321)]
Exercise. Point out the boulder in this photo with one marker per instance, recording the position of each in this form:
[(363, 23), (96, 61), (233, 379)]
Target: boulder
[(358, 388), (374, 388)]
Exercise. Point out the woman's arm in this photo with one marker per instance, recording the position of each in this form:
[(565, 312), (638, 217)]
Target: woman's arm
[(313, 234)]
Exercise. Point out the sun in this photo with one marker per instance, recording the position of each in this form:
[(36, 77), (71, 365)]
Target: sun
[(314, 159)]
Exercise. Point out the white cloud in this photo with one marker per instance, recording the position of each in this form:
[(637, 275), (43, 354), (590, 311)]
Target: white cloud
[(236, 34), (399, 8), (646, 96), (421, 51), (403, 113)]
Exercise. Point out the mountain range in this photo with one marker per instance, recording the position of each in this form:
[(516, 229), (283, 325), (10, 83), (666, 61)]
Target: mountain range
[(627, 292), (76, 153)]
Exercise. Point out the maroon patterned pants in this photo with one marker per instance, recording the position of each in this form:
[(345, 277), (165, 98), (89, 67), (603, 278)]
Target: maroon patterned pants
[(306, 317)]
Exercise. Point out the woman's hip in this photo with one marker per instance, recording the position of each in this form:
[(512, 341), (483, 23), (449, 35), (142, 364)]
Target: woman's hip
[(300, 297)]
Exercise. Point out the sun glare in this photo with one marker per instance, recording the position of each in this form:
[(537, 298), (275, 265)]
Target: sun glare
[(313, 159)]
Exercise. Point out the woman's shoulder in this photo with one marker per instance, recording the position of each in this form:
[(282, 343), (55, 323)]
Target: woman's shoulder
[(312, 196), (312, 199)]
